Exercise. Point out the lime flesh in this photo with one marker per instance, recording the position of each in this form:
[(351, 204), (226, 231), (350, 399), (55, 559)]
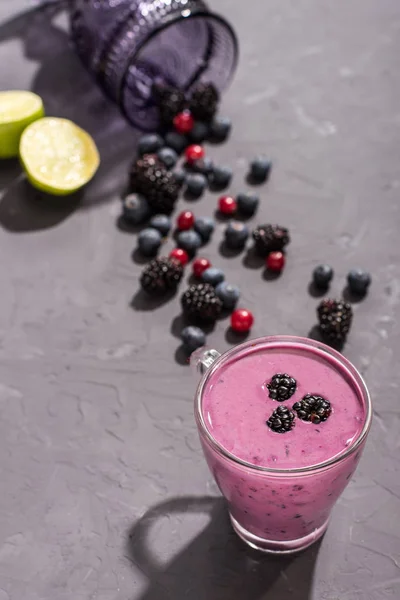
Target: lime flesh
[(17, 110), (58, 156)]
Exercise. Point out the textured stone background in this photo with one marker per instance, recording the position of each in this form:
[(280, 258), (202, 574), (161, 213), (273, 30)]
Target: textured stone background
[(97, 437)]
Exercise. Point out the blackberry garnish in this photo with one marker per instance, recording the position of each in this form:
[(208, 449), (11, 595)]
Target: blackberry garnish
[(170, 100), (335, 318), (281, 420), (204, 101), (270, 238), (150, 178), (161, 275), (313, 408), (200, 302), (281, 387)]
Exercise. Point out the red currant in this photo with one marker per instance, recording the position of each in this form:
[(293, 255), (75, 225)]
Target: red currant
[(200, 265), (185, 220), (183, 122), (180, 255), (227, 205), (241, 320), (193, 153), (275, 261)]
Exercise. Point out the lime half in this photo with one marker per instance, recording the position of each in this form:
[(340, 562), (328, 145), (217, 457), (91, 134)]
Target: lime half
[(58, 156), (17, 110)]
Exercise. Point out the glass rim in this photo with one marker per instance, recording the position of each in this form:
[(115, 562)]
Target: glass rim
[(284, 340)]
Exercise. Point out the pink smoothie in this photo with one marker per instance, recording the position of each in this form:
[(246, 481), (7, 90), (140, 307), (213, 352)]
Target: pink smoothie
[(273, 504)]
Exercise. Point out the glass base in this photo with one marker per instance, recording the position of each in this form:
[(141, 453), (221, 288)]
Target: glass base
[(275, 546)]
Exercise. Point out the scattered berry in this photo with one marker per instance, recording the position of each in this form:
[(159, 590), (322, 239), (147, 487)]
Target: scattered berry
[(236, 234), (200, 302), (220, 128), (281, 387), (322, 276), (200, 265), (171, 101), (227, 205), (213, 276), (204, 227), (135, 209), (358, 281), (168, 156), (204, 166), (193, 153), (176, 141), (150, 178), (204, 101), (229, 294), (149, 241), (193, 338), (180, 255), (185, 220), (189, 241), (247, 203), (269, 238), (275, 262), (221, 177), (161, 275), (260, 169), (149, 144), (162, 223), (281, 420), (335, 317), (313, 408), (180, 176), (196, 184), (199, 132), (241, 320), (183, 122)]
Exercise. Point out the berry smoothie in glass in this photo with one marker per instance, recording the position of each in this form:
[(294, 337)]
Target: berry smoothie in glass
[(282, 422)]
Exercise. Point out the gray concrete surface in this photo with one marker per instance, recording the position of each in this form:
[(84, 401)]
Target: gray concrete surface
[(104, 493)]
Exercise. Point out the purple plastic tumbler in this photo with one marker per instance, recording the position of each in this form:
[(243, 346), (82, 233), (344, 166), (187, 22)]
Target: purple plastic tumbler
[(131, 44)]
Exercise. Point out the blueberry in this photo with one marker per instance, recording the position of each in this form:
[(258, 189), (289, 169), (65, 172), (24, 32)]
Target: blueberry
[(195, 184), (221, 176), (213, 276), (358, 281), (229, 294), (149, 241), (168, 156), (176, 141), (204, 227), (247, 203), (220, 128), (149, 144), (322, 276), (162, 223), (180, 176), (193, 338), (136, 209), (204, 166), (189, 241), (199, 132), (236, 234), (260, 168)]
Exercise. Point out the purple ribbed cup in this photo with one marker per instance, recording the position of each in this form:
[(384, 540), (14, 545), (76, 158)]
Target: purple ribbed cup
[(131, 44)]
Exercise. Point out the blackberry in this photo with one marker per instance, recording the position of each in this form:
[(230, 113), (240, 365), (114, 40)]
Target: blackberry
[(281, 420), (281, 387), (170, 100), (150, 178), (161, 275), (200, 302), (270, 238), (313, 408), (335, 318), (204, 101)]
